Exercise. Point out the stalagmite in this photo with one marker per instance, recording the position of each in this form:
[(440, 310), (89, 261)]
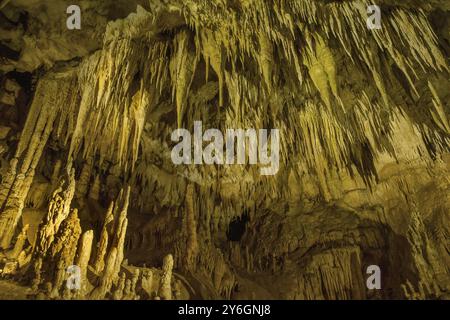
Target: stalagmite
[(120, 233), (119, 291), (84, 254), (107, 277), (127, 293), (147, 283), (165, 288), (99, 263), (58, 211), (56, 173), (191, 225), (130, 287), (61, 253)]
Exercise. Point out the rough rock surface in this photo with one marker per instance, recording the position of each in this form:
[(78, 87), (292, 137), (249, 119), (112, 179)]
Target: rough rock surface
[(87, 180)]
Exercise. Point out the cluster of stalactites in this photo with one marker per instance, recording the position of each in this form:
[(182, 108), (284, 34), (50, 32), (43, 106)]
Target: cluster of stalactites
[(51, 113), (295, 47), (262, 55)]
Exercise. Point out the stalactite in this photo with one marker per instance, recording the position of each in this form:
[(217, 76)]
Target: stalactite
[(120, 232), (83, 181), (94, 192), (439, 114), (37, 130), (321, 65), (182, 65), (266, 60), (212, 53)]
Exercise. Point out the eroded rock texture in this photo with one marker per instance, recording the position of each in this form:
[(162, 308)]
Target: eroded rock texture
[(87, 179)]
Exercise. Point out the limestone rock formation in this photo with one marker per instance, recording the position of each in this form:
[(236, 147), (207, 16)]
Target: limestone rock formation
[(93, 207)]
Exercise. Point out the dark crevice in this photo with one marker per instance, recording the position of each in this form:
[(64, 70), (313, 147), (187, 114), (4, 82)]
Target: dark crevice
[(237, 227)]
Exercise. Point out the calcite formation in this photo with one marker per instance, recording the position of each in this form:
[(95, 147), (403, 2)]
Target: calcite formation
[(93, 207)]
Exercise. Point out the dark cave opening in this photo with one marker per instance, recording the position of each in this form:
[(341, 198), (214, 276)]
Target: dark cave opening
[(237, 227), (16, 116)]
